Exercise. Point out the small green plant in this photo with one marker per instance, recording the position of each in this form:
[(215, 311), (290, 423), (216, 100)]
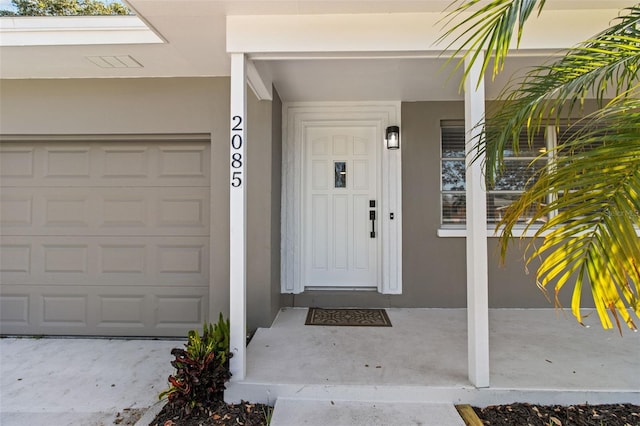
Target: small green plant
[(267, 412), (202, 369)]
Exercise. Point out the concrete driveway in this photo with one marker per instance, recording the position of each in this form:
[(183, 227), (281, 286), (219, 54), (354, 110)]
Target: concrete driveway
[(83, 382)]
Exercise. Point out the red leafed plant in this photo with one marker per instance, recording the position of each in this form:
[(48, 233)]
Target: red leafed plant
[(202, 369)]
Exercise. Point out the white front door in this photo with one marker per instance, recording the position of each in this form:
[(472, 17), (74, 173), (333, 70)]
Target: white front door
[(341, 207)]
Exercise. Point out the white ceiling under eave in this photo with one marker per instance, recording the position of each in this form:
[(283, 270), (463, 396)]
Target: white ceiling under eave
[(195, 32)]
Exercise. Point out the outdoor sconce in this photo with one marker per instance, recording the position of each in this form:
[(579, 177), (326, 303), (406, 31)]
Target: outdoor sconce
[(393, 137)]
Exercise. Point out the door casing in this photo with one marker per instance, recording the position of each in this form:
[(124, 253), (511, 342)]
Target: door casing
[(296, 117)]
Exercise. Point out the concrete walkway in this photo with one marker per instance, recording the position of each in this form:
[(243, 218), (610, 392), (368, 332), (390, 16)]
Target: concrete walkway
[(80, 382), (299, 412)]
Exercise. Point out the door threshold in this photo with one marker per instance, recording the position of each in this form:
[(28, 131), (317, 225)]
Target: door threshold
[(339, 288)]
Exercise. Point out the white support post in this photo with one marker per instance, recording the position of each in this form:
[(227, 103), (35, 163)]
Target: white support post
[(477, 271), (238, 218)]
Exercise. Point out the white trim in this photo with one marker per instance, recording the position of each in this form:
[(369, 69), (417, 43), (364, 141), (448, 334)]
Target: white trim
[(491, 233), (257, 83), (452, 232), (392, 203), (378, 32), (295, 117), (75, 30), (517, 233), (408, 54), (477, 267), (238, 219), (112, 137)]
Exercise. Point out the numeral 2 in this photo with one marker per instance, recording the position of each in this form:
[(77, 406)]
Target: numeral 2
[(237, 127)]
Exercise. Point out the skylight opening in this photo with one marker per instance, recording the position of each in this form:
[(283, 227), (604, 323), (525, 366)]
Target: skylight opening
[(18, 8), (39, 25)]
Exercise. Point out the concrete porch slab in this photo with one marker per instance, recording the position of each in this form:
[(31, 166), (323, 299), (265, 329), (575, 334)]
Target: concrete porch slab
[(299, 412), (536, 355)]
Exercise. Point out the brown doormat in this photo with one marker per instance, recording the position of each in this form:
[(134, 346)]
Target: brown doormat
[(353, 317)]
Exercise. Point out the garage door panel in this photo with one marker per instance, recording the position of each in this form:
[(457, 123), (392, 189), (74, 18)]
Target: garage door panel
[(183, 161), (178, 311), (120, 310), (16, 162), (182, 211), (16, 210), (105, 164), (105, 211), (135, 261), (67, 210), (67, 162), (123, 259), (64, 259), (14, 310), (128, 162), (69, 310), (181, 260), (128, 211), (15, 258), (102, 310)]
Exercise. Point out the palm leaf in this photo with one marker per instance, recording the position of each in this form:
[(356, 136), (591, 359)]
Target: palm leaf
[(490, 27), (608, 62), (593, 233)]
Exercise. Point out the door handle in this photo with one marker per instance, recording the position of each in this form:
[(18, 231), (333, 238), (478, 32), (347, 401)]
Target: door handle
[(372, 217)]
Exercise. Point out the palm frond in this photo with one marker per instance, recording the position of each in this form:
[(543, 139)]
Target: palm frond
[(610, 62), (489, 27), (592, 231)]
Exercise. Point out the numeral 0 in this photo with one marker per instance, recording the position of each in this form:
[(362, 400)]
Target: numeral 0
[(236, 142)]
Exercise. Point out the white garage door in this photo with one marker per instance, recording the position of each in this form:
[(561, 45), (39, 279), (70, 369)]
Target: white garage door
[(104, 237)]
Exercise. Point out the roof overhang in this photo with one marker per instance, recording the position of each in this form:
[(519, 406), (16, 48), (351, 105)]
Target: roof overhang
[(287, 36)]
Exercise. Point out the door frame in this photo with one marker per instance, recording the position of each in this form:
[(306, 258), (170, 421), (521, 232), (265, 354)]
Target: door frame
[(295, 118)]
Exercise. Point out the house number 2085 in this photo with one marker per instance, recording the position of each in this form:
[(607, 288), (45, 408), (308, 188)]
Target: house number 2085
[(236, 151)]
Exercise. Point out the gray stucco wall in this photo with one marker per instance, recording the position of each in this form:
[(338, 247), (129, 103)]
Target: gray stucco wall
[(263, 210), (173, 105), (276, 191)]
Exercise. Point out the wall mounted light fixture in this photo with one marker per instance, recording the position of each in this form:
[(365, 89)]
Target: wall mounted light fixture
[(393, 137)]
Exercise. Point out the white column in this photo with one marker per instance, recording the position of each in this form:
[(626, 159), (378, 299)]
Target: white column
[(477, 273), (238, 218)]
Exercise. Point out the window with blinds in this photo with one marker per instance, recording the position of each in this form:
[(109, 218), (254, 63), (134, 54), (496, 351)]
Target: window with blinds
[(519, 172), (452, 172)]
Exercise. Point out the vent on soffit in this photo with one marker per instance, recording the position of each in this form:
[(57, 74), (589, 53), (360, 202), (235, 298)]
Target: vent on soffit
[(124, 61)]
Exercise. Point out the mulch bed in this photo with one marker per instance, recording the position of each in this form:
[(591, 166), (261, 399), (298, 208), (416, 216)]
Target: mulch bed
[(560, 415), (517, 414), (243, 414)]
